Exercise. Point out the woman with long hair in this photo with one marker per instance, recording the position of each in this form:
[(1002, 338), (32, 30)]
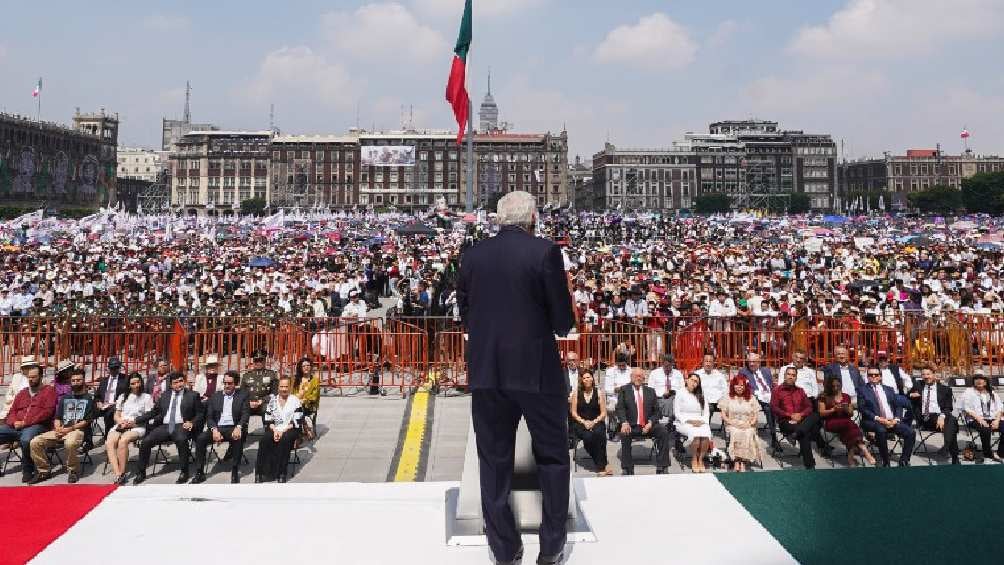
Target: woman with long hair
[(836, 411), (589, 415), (692, 414), (283, 420), (127, 407), (739, 414)]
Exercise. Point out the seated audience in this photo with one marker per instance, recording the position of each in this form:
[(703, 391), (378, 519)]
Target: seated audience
[(589, 416), (794, 416), (691, 411), (126, 431), (30, 414), (16, 383), (933, 410), (982, 409), (739, 415), (713, 382), (761, 384), (112, 386), (173, 417), (307, 387), (227, 414), (836, 411), (61, 382), (882, 414), (283, 419), (638, 412), (74, 415)]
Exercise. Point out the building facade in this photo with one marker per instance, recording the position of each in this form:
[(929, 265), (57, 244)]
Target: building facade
[(533, 162), (214, 171), (580, 184), (314, 171), (49, 164), (917, 170), (141, 164), (643, 179)]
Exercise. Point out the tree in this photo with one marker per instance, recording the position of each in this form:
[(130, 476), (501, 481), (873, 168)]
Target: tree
[(715, 203), (253, 206), (984, 192), (800, 203), (938, 199)]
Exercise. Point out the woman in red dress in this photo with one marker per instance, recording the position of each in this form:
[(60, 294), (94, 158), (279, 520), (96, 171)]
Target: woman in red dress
[(836, 410)]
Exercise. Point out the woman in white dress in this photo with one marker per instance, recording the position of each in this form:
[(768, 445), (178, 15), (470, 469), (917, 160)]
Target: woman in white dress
[(127, 407), (283, 422), (983, 412), (692, 415)]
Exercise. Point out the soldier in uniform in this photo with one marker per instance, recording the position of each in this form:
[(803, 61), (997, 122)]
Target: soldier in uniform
[(259, 383)]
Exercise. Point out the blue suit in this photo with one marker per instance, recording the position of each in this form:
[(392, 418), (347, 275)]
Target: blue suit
[(751, 382), (870, 407), (513, 297), (833, 369)]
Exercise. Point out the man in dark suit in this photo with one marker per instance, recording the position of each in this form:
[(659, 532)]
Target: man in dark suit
[(882, 414), (637, 423), (847, 372), (227, 412), (113, 385), (173, 417), (514, 297), (932, 408)]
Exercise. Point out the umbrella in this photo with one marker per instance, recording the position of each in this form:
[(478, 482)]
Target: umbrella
[(987, 246), (261, 262), (470, 218), (414, 229), (836, 219)]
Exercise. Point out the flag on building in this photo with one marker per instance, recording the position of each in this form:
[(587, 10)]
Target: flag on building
[(38, 88), (964, 134), (456, 86)]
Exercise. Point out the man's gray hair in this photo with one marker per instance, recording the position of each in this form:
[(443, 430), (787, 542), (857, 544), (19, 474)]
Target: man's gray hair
[(517, 209)]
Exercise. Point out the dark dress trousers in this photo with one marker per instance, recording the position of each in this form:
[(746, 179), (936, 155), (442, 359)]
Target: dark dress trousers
[(627, 412), (513, 297), (869, 406), (158, 429), (240, 412), (927, 419)]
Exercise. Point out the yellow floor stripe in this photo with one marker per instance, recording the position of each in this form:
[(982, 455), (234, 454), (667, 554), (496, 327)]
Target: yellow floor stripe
[(411, 451)]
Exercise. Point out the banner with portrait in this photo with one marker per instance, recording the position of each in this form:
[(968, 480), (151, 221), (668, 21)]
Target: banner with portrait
[(388, 155)]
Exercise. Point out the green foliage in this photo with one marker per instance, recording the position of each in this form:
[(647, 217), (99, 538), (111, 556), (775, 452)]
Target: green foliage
[(715, 203), (984, 193), (938, 199), (253, 206), (800, 203)]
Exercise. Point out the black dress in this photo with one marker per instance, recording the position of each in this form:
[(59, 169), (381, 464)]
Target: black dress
[(273, 456), (594, 440)]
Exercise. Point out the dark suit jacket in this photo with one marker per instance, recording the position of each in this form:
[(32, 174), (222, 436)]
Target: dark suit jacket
[(513, 297), (122, 387), (240, 409), (191, 410), (627, 409), (868, 403), (834, 369), (944, 396), (751, 381)]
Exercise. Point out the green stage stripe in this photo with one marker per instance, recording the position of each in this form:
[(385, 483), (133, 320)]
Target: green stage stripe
[(944, 514)]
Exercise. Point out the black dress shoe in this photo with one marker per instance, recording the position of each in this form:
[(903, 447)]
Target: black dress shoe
[(39, 477), (200, 477), (660, 471), (182, 478), (627, 472), (25, 478), (955, 460), (514, 561), (550, 559), (235, 477), (282, 478), (904, 463), (139, 478), (72, 478), (885, 464), (122, 479)]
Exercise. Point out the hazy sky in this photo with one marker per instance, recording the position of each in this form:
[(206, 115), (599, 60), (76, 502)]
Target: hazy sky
[(879, 74)]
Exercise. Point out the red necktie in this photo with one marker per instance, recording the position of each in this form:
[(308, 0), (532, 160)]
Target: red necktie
[(638, 399)]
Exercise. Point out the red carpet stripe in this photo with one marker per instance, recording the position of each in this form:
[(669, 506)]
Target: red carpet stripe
[(33, 517)]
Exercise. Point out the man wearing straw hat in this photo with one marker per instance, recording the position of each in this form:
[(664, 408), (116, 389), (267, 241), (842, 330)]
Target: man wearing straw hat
[(18, 382)]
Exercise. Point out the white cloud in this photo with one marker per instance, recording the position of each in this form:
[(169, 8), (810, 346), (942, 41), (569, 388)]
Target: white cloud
[(167, 23), (482, 8), (656, 42), (384, 31), (870, 29), (816, 91), (297, 74), (723, 33)]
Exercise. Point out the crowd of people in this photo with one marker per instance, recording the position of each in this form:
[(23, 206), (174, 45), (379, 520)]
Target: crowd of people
[(864, 408), (147, 411)]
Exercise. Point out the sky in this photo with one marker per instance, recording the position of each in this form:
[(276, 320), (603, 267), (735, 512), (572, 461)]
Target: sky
[(880, 75)]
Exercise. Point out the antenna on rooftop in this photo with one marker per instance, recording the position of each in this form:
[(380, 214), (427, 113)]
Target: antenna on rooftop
[(188, 99)]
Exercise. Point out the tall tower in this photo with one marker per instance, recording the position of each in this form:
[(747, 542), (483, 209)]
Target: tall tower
[(187, 118), (489, 112)]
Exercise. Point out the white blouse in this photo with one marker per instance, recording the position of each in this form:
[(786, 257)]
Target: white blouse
[(986, 405), (131, 405), (286, 416)]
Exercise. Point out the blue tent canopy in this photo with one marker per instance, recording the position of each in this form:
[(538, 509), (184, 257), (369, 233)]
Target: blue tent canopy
[(261, 262)]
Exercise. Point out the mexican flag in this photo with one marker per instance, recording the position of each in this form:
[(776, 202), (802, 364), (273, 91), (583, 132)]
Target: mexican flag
[(38, 89), (456, 87)]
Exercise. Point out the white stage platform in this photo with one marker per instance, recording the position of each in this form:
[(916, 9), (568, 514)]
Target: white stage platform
[(654, 519)]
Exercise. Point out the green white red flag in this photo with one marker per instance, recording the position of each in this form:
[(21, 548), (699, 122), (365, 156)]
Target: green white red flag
[(456, 87)]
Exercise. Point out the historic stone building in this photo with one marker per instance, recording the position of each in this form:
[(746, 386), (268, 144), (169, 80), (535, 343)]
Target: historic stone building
[(314, 171), (49, 164), (918, 169), (642, 179), (214, 171)]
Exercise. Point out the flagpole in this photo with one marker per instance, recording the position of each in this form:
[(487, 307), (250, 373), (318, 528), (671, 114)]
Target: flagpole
[(38, 115), (469, 201)]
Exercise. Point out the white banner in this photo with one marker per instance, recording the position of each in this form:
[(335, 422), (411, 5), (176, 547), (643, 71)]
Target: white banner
[(388, 155)]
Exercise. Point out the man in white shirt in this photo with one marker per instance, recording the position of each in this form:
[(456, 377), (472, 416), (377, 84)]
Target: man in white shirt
[(355, 308), (713, 382), (806, 378), (719, 310), (636, 308), (665, 381), (614, 378)]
